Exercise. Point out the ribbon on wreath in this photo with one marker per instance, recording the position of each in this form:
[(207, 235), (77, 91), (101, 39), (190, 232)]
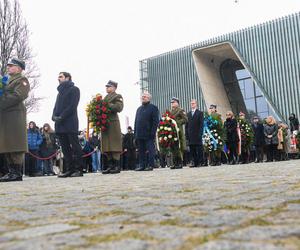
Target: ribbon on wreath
[(207, 131), (3, 83)]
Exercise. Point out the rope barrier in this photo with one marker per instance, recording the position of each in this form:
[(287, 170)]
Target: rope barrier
[(43, 158), (51, 156)]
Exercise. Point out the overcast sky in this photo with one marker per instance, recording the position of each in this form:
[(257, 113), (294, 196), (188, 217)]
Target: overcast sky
[(98, 40)]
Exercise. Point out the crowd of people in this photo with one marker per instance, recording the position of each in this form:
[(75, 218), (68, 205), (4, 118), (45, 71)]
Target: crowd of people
[(174, 139)]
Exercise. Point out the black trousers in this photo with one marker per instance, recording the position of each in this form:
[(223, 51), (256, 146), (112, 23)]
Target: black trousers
[(271, 152), (72, 151), (197, 154), (232, 147), (259, 152), (130, 159)]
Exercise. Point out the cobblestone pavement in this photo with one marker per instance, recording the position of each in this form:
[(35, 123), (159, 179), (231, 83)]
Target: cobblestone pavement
[(255, 206)]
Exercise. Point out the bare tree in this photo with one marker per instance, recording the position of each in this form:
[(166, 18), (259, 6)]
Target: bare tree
[(14, 42)]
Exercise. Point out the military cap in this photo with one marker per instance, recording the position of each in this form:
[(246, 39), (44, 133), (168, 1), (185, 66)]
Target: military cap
[(17, 62), (112, 84), (174, 99), (213, 106)]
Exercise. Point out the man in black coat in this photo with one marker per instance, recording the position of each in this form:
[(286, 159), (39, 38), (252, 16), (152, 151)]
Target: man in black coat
[(145, 126), (259, 139), (194, 132), (66, 125)]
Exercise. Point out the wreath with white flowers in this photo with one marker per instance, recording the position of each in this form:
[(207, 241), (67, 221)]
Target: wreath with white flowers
[(167, 133)]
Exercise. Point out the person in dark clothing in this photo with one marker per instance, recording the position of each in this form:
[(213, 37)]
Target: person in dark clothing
[(48, 148), (232, 138), (86, 149), (259, 139), (145, 126), (94, 142), (294, 122), (194, 132), (129, 149), (271, 138), (66, 125)]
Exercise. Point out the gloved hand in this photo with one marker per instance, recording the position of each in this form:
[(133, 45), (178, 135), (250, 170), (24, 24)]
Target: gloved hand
[(56, 118)]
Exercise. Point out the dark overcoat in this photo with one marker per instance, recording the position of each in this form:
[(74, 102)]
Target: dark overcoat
[(230, 126), (194, 127), (111, 139), (146, 122), (271, 129), (13, 132), (66, 107), (259, 137)]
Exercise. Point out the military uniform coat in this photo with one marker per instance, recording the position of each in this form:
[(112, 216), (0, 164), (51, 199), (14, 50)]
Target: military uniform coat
[(111, 139), (13, 132), (181, 119)]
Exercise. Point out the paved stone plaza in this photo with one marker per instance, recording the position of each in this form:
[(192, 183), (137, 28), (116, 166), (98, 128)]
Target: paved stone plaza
[(255, 206)]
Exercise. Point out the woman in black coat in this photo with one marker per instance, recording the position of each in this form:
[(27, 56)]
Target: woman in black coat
[(259, 139), (48, 148), (271, 138), (232, 138)]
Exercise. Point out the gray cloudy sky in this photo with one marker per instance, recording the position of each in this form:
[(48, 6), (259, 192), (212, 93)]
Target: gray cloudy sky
[(97, 40)]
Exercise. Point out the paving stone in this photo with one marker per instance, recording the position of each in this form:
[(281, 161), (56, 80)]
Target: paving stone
[(39, 231), (263, 233), (230, 245), (254, 206)]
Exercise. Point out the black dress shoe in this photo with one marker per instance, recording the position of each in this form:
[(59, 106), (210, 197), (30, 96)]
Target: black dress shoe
[(106, 171), (11, 177), (148, 169), (77, 173), (115, 170), (66, 174), (140, 169)]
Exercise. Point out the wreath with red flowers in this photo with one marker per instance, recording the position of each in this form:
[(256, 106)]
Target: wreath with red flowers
[(98, 114), (168, 132)]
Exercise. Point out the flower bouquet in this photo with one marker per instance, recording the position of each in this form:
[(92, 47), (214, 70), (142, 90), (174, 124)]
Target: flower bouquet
[(167, 133), (98, 114)]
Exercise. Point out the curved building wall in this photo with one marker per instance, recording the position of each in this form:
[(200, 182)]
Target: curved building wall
[(270, 51)]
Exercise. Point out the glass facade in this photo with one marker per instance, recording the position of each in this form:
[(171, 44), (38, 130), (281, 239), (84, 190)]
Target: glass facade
[(254, 99)]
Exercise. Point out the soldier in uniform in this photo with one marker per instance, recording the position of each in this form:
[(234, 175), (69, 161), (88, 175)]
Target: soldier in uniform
[(13, 135), (181, 119), (111, 139)]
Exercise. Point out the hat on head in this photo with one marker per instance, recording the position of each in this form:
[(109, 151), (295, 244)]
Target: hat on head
[(17, 62), (213, 106), (111, 84), (174, 99)]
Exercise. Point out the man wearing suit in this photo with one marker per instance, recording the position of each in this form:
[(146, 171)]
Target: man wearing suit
[(194, 131)]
